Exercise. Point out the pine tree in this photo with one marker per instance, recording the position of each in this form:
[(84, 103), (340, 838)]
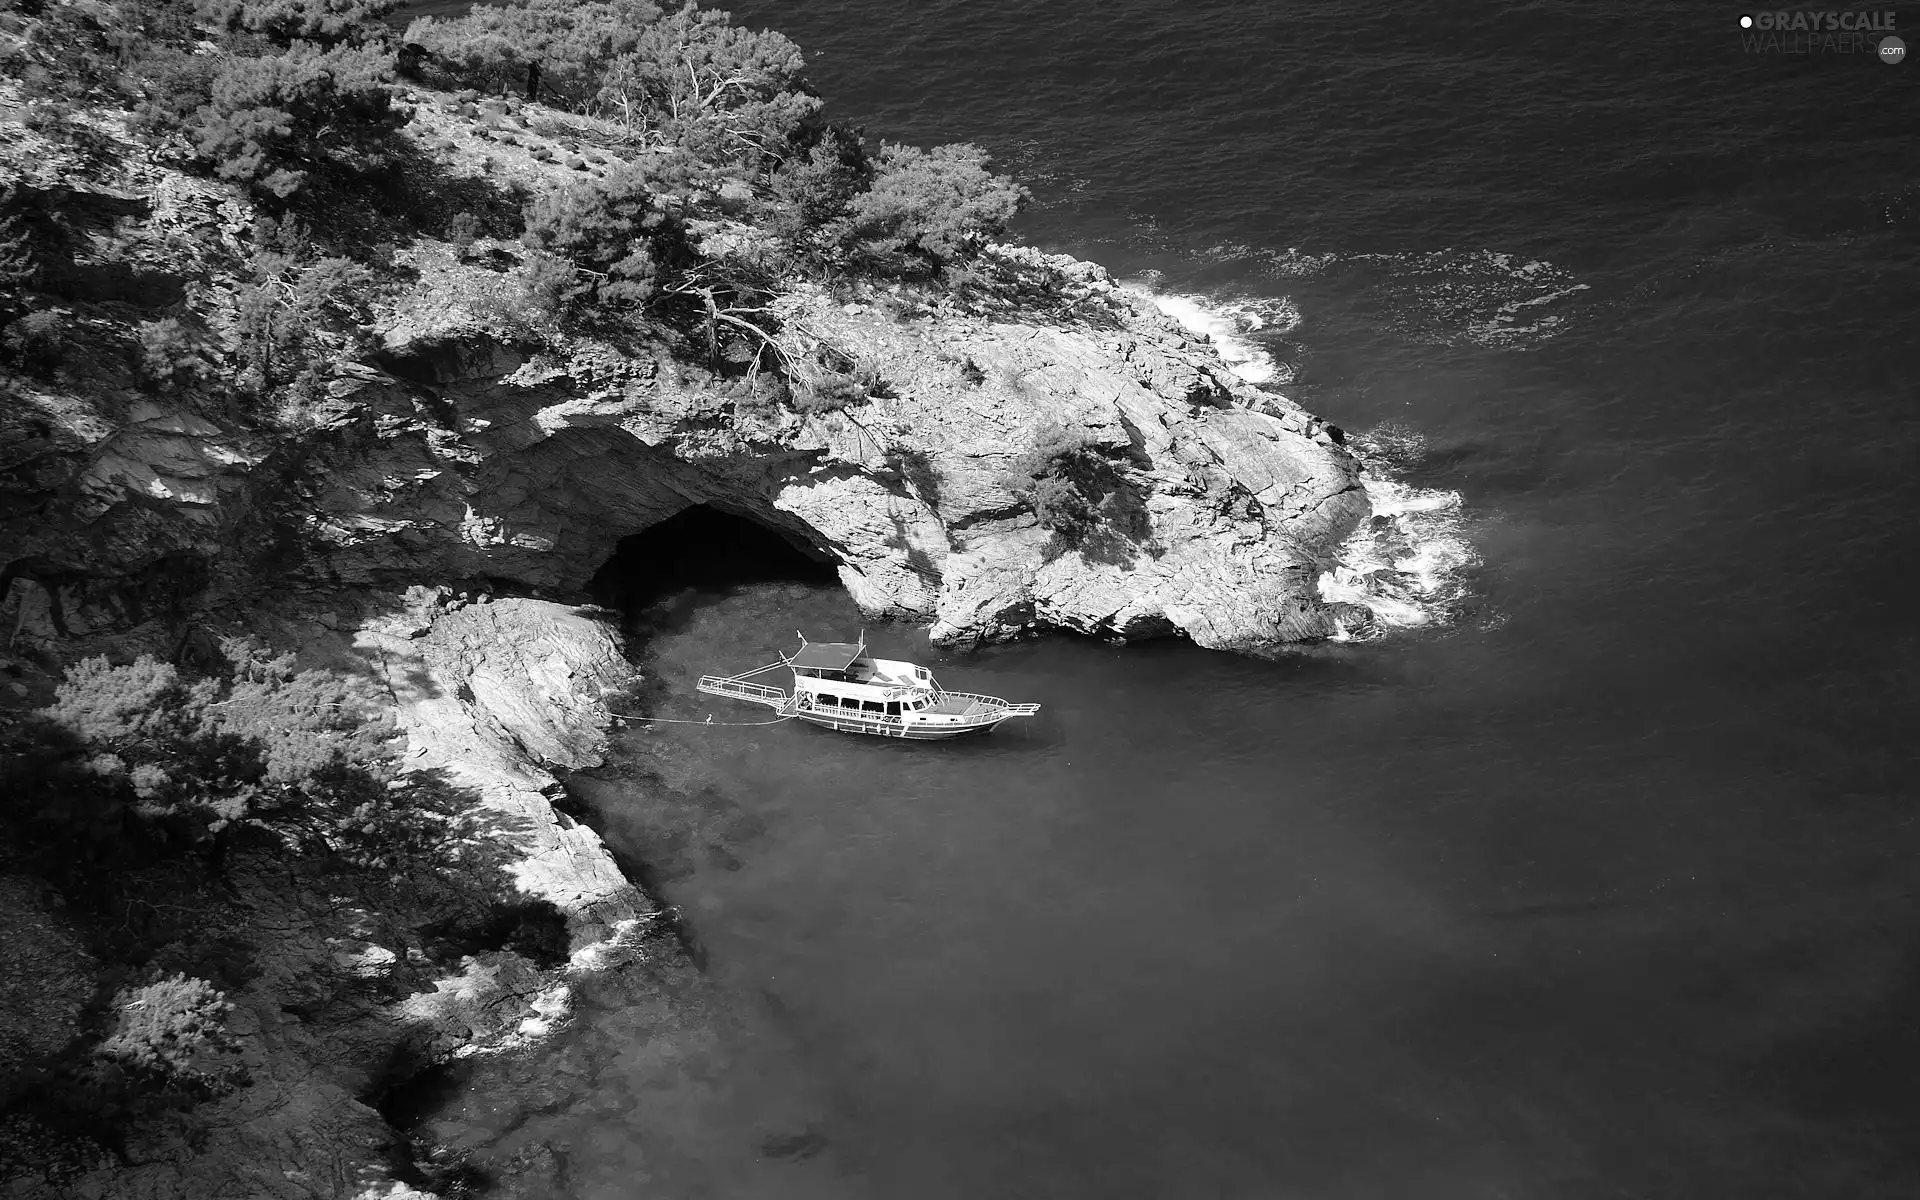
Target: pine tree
[(926, 209)]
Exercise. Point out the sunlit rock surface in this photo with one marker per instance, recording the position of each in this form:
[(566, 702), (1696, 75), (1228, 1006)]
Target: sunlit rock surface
[(445, 461)]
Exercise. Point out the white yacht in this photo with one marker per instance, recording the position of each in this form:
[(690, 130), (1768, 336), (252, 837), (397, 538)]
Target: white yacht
[(841, 686)]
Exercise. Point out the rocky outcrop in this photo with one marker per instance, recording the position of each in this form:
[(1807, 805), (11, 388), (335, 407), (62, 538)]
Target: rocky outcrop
[(447, 447), (495, 694), (342, 983), (458, 447), (536, 467)]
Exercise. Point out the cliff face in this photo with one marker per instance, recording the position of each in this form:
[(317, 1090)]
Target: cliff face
[(448, 445), (345, 983), (540, 465)]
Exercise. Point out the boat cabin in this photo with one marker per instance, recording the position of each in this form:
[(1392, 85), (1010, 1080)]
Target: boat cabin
[(840, 686), (843, 675)]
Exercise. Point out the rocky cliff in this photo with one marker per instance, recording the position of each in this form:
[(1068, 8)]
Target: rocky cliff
[(344, 984), (450, 445), (447, 459)]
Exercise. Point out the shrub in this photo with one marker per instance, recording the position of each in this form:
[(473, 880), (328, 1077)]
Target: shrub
[(400, 824), (926, 209), (463, 230), (36, 343), (53, 796), (65, 52), (281, 315), (831, 393), (322, 22), (270, 121), (550, 290), (171, 86), (620, 242), (1074, 487), (170, 353), (108, 708), (304, 722), (266, 746), (573, 44), (810, 193), (725, 93), (168, 1027)]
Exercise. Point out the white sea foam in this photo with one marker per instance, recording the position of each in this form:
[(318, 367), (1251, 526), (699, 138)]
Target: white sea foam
[(1408, 565), (1229, 324)]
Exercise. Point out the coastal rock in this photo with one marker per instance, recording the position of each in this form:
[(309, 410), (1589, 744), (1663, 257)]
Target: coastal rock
[(534, 471), (351, 983), (492, 695), (445, 456), (455, 452)]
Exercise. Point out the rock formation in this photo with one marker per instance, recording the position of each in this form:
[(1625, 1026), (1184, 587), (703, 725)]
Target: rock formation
[(536, 466), (446, 450), (456, 449)]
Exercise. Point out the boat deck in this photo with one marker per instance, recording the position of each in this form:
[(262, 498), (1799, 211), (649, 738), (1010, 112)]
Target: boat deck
[(955, 706), (955, 712), (740, 689)]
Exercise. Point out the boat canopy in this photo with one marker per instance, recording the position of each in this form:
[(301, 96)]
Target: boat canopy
[(828, 656)]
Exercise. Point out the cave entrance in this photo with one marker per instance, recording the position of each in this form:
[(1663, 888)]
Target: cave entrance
[(702, 549)]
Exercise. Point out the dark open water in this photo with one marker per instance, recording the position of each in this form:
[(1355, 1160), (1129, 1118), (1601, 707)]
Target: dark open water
[(1601, 886)]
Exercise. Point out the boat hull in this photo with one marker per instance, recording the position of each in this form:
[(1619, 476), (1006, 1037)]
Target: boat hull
[(897, 729)]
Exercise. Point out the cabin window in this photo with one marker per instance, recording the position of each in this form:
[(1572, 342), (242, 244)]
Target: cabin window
[(872, 706), (826, 701), (893, 708)]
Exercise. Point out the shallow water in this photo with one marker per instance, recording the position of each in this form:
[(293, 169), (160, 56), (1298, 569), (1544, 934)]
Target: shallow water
[(1355, 923)]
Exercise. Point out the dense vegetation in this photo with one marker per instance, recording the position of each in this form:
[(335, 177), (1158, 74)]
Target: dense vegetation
[(141, 794), (146, 793), (297, 102)]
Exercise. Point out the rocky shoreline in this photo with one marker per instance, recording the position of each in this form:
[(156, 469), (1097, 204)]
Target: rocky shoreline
[(346, 1003), (429, 522)]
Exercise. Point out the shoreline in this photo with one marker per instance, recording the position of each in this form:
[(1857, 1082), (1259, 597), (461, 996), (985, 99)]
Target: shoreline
[(496, 696), (353, 533)]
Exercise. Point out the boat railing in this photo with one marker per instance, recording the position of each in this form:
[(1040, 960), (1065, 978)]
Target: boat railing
[(993, 702), (740, 689)]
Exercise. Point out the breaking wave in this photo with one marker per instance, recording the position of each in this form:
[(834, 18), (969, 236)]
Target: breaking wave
[(1231, 325), (1408, 565)]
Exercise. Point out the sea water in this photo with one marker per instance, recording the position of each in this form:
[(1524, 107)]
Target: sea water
[(1591, 877)]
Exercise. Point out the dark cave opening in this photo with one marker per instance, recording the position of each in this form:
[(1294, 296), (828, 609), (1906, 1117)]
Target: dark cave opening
[(704, 549)]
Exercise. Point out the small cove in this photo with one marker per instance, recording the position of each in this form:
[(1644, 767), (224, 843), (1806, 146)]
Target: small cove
[(1210, 924)]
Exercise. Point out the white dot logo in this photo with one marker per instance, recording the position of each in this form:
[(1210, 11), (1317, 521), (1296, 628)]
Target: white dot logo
[(1892, 50), (1746, 22)]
